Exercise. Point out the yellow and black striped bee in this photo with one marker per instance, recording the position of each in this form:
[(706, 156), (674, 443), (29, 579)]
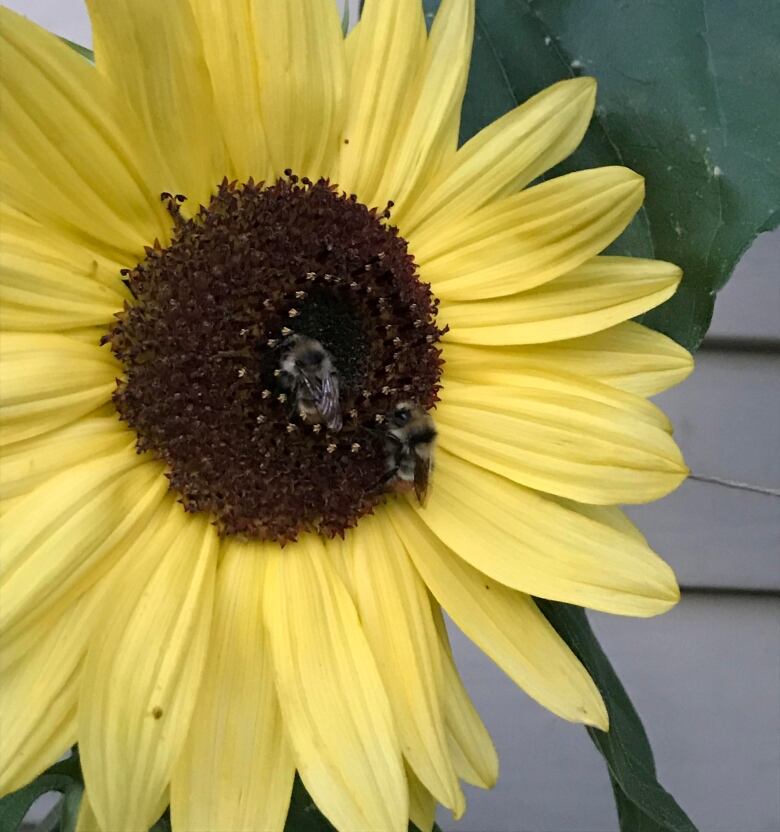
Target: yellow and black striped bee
[(309, 377), (409, 442)]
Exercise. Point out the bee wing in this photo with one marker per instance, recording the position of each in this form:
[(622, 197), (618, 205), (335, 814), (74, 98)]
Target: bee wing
[(327, 401), (422, 476), (312, 387), (323, 393)]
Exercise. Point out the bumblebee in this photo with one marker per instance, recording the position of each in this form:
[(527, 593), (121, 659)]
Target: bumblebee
[(409, 442), (309, 377)]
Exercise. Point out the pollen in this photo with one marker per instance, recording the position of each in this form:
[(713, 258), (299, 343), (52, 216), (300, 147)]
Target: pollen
[(202, 341)]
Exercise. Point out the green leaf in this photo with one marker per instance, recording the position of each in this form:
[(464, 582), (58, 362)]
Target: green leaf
[(69, 808), (630, 816), (643, 804), (303, 815), (164, 823), (62, 777), (687, 97), (82, 50)]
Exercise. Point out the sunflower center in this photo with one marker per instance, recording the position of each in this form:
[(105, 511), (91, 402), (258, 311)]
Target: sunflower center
[(206, 346)]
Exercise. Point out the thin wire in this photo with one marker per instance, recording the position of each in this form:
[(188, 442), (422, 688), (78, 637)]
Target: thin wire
[(737, 486), (731, 591)]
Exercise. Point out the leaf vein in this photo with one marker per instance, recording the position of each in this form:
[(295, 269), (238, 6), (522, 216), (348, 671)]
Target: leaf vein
[(498, 57), (566, 62)]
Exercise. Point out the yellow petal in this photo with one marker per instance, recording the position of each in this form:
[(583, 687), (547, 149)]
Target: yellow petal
[(530, 238), (38, 696), (44, 616), (143, 670), (599, 294), (607, 515), (58, 250), (7, 505), (303, 83), (38, 297), (425, 140), (506, 155), (573, 441), (230, 48), (236, 771), (628, 356), (87, 335), (396, 616), (65, 158), (387, 50), (87, 822), (350, 47), (506, 624), (341, 558), (334, 705), (472, 750), (32, 317), (422, 804), (92, 513), (26, 465), (524, 375), (47, 381), (533, 544), (152, 54)]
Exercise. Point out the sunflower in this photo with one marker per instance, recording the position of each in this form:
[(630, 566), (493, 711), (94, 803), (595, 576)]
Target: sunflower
[(208, 592)]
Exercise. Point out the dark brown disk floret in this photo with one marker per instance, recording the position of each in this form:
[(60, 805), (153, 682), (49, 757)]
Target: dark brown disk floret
[(202, 341)]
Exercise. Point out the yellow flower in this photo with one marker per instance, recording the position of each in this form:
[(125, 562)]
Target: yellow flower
[(195, 659)]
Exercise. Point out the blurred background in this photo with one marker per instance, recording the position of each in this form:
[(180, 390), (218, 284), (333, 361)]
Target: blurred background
[(705, 677)]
